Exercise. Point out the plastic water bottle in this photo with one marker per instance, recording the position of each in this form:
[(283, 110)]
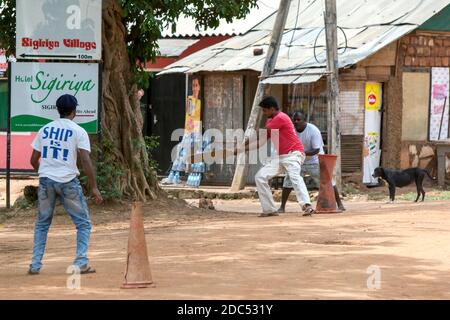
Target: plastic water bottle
[(196, 180), (177, 177), (171, 177), (193, 179)]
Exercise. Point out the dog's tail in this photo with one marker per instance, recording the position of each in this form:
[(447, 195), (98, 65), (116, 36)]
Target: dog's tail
[(429, 175)]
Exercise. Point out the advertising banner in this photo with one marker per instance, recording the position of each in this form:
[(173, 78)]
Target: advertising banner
[(372, 131), (35, 87), (193, 109), (439, 104)]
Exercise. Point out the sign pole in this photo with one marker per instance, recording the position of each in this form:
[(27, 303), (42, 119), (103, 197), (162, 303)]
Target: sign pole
[(99, 116), (8, 144)]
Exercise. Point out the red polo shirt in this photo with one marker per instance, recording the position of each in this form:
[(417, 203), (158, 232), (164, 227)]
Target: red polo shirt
[(288, 140)]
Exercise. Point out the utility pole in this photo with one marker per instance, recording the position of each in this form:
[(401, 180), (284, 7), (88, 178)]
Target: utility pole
[(334, 131), (254, 120)]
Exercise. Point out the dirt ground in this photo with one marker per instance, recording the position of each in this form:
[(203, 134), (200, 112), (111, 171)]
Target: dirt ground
[(233, 254)]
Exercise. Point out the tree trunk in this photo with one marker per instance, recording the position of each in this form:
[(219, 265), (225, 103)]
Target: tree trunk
[(121, 119)]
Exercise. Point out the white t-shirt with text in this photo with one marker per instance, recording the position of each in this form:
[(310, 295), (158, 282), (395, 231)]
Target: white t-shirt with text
[(58, 142)]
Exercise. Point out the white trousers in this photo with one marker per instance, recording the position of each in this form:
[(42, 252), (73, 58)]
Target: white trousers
[(290, 163)]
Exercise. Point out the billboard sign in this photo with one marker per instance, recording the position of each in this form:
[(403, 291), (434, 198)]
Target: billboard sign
[(35, 87), (63, 29)]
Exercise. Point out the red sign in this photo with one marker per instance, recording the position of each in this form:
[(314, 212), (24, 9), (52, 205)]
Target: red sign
[(3, 61), (372, 99)]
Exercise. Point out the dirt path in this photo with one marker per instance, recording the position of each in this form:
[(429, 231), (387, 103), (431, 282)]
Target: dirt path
[(230, 256)]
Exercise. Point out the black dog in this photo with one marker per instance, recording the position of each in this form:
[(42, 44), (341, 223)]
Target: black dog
[(397, 178)]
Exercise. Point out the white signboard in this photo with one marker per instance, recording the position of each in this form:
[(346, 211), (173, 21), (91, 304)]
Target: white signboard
[(439, 103), (35, 87), (59, 29), (372, 131)]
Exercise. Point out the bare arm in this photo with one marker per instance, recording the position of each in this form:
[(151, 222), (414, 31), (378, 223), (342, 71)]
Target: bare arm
[(34, 160), (249, 146), (89, 170), (312, 152)]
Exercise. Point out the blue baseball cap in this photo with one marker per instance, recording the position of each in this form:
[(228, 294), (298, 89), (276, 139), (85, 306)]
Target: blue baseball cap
[(66, 102)]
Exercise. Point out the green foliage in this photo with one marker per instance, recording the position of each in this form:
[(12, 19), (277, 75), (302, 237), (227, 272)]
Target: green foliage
[(151, 143), (144, 20), (23, 204), (350, 189), (8, 25), (108, 172)]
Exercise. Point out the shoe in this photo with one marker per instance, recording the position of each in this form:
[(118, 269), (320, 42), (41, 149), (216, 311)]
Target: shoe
[(271, 214), (33, 272), (281, 210), (309, 211), (86, 269)]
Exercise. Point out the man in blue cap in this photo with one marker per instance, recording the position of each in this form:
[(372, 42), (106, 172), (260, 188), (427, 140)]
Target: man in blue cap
[(54, 156)]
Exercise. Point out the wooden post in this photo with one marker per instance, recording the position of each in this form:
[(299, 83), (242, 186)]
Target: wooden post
[(334, 131), (8, 142), (254, 120)]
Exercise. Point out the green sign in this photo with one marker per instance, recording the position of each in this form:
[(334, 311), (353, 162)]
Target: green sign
[(35, 87)]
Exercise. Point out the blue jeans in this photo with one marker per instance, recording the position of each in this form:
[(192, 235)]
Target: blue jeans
[(73, 200)]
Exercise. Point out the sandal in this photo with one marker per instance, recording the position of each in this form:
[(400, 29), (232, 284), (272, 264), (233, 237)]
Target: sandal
[(86, 270), (309, 211), (271, 214), (33, 272)]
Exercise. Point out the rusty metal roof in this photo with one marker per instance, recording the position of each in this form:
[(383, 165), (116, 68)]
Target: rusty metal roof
[(364, 28)]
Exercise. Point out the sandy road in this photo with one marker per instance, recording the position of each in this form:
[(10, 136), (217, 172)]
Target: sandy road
[(239, 256)]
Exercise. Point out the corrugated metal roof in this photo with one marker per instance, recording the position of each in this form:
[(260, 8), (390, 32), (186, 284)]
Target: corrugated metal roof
[(297, 76), (174, 70), (174, 47), (186, 27), (365, 27)]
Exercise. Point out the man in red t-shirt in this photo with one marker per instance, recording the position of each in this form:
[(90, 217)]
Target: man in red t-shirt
[(290, 157)]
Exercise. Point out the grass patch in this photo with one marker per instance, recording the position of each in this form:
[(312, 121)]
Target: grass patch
[(434, 195), (349, 189), (376, 196)]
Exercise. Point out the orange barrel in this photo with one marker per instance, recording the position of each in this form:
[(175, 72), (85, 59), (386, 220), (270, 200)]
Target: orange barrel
[(326, 201)]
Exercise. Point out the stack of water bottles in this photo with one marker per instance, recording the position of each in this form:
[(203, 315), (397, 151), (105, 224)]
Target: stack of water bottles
[(195, 178), (177, 167), (174, 177), (199, 168)]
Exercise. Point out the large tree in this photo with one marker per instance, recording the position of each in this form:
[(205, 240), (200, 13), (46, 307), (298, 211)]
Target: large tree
[(131, 29)]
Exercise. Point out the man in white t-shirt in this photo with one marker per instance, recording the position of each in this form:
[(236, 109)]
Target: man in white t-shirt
[(54, 156), (311, 137)]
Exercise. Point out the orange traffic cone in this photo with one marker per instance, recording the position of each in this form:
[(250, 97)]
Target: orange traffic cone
[(137, 270), (326, 201)]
